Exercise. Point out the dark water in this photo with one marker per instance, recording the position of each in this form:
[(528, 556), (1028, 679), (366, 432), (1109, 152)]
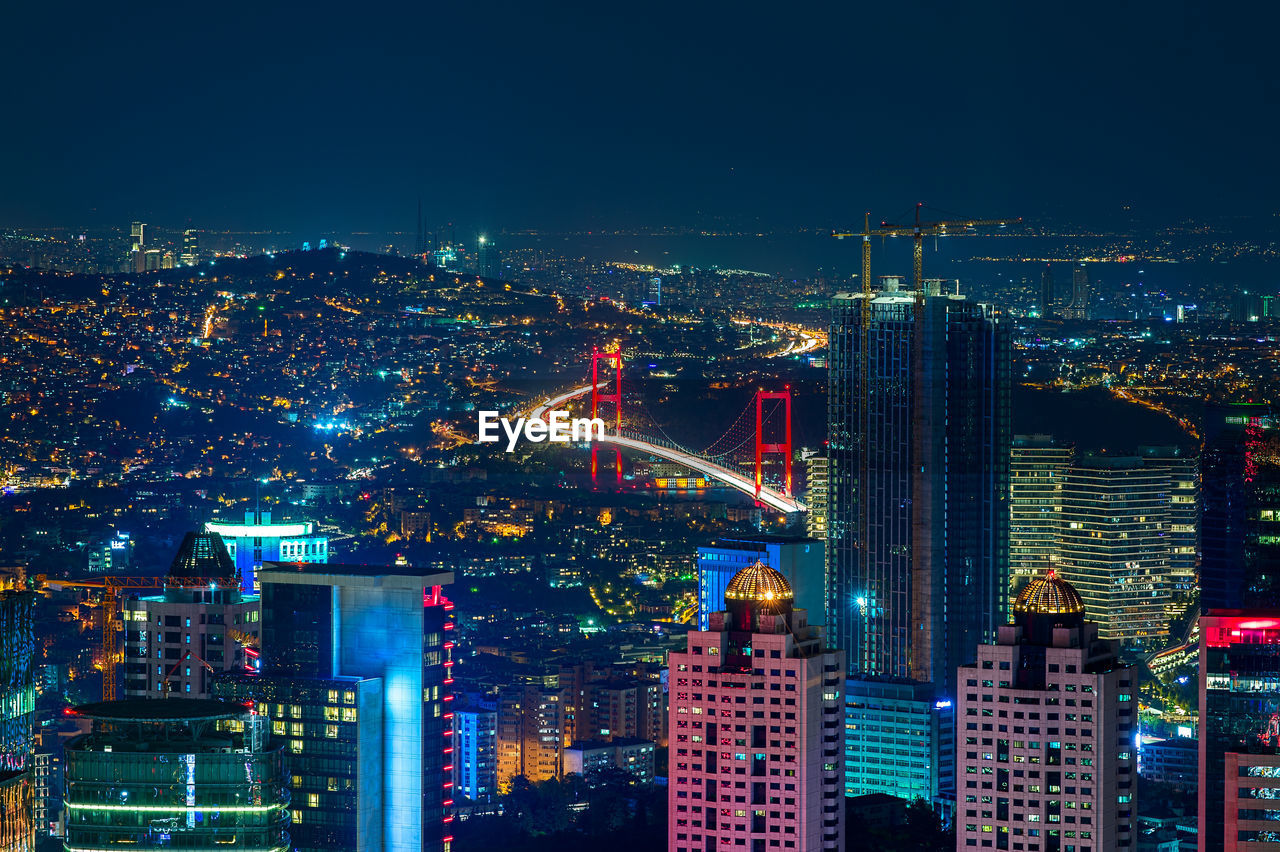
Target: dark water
[(810, 254)]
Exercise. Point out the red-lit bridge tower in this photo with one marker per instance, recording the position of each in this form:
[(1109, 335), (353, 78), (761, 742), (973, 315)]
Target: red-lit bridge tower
[(614, 358), (773, 447)]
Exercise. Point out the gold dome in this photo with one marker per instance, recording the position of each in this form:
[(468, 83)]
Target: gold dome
[(1049, 595), (759, 583)]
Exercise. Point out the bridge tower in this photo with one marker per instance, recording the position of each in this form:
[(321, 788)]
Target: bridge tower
[(764, 448), (613, 358)]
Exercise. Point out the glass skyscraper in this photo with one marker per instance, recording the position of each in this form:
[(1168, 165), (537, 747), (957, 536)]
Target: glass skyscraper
[(356, 679), (919, 431)]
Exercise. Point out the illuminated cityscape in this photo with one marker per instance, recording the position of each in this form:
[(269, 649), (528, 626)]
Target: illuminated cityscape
[(714, 428)]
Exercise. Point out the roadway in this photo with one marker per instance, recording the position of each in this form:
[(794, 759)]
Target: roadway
[(771, 497)]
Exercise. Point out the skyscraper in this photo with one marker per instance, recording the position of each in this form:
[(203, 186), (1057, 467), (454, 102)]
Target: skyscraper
[(1239, 730), (1038, 466), (1046, 292), (137, 236), (475, 751), (1115, 546), (919, 433), (487, 261), (1078, 307), (190, 247), (531, 734), (899, 739), (17, 720), (1240, 527), (798, 558), (356, 664), (756, 706), (1184, 516), (181, 773), (1045, 726)]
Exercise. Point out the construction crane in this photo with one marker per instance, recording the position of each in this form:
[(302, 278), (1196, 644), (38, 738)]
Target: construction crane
[(918, 231), (111, 624)]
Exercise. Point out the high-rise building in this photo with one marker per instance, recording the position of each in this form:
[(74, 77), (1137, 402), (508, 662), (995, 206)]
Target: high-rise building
[(17, 721), (653, 293), (487, 260), (1078, 307), (1038, 466), (1239, 734), (756, 707), (178, 773), (1240, 525), (475, 753), (1045, 733), (1184, 516), (356, 664), (258, 540), (531, 734), (137, 237), (177, 641), (817, 496), (1046, 291), (919, 434), (899, 740), (798, 558), (190, 247), (1115, 546)]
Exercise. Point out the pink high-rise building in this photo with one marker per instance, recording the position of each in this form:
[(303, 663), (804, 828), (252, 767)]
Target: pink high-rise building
[(756, 728), (1045, 725)]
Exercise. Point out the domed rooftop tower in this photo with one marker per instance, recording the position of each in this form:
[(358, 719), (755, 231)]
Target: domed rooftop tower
[(758, 599), (1045, 603)]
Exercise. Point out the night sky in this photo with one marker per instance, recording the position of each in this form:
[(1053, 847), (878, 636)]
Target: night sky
[(558, 115)]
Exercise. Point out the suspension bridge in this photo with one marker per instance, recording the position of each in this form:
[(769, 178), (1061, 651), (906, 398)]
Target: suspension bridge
[(738, 458)]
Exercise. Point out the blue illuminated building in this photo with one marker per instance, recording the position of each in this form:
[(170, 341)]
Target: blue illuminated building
[(899, 740), (258, 540), (797, 558), (356, 679)]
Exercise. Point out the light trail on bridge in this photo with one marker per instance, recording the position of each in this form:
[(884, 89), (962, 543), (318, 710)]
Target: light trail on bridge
[(770, 497)]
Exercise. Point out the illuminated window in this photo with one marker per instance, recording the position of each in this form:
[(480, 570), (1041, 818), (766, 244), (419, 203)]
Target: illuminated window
[(295, 746), (348, 714), (349, 697), (331, 731), (331, 714), (313, 800), (297, 815)]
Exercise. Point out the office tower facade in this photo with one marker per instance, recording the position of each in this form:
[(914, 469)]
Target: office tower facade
[(1115, 546), (899, 740), (1240, 524), (190, 247), (258, 540), (919, 433), (177, 641), (356, 664), (17, 720), (817, 479), (1184, 516), (1038, 466), (1239, 761), (1046, 292), (475, 753), (531, 734), (137, 236), (798, 558), (191, 774), (1045, 727), (1078, 307), (756, 706)]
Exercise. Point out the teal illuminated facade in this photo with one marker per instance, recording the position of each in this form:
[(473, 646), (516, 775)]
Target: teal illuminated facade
[(175, 773), (17, 717), (899, 740)]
